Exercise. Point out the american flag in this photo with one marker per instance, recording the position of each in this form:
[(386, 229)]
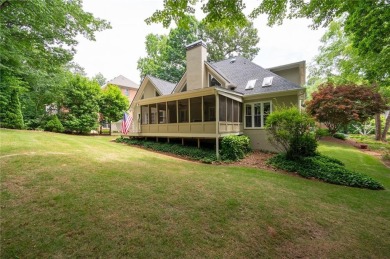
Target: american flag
[(126, 123)]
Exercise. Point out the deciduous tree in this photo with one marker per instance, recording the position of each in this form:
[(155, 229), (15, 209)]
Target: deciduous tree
[(166, 54), (337, 106), (366, 20), (80, 106), (100, 79), (37, 39), (112, 103)]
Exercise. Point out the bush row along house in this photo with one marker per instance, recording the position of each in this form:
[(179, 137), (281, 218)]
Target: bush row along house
[(213, 100)]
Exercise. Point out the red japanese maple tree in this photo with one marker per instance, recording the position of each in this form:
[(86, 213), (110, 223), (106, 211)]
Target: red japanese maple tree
[(337, 106)]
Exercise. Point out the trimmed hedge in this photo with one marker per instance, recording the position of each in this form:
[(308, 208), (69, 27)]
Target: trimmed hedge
[(203, 155), (326, 169), (234, 147)]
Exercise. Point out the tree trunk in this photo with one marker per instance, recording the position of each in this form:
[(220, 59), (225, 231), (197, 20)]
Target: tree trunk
[(387, 126), (378, 126), (110, 127)]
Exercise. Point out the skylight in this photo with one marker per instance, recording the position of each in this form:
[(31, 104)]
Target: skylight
[(267, 81), (251, 84)]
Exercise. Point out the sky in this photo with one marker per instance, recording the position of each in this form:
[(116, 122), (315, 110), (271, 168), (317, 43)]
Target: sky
[(116, 51)]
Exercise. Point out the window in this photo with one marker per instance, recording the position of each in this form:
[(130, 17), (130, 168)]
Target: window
[(145, 114), (267, 81), (213, 81), (250, 84), (162, 110), (248, 115), (172, 113), (196, 109), (209, 108), (184, 89), (157, 94), (183, 110), (152, 114), (256, 114), (127, 92)]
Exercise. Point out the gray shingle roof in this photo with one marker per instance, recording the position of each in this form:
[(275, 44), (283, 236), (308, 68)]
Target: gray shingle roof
[(242, 70), (123, 81), (163, 86)]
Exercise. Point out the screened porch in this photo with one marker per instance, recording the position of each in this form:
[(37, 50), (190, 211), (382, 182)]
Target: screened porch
[(201, 116)]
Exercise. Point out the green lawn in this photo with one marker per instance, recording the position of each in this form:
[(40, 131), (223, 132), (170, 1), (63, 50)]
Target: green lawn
[(79, 196)]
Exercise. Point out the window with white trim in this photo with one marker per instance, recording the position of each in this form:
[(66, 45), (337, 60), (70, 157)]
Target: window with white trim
[(257, 113), (213, 81)]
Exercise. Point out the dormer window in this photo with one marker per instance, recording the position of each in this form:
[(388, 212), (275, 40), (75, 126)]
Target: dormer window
[(213, 81), (267, 81)]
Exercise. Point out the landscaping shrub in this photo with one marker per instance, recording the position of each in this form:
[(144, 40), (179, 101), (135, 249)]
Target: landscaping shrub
[(234, 147), (303, 146), (203, 155), (290, 132), (321, 133), (326, 169), (339, 135), (54, 125)]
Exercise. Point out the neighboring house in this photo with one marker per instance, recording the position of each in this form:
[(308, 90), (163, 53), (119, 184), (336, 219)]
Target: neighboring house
[(128, 87), (213, 100)]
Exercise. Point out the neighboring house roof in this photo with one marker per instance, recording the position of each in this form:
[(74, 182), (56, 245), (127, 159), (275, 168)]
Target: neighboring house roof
[(239, 71), (123, 81), (287, 66), (163, 86)]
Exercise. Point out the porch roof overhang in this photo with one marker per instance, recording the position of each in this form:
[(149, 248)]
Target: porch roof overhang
[(191, 94)]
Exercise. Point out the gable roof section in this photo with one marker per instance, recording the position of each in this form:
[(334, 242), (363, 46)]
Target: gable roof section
[(163, 86), (239, 71), (123, 81)]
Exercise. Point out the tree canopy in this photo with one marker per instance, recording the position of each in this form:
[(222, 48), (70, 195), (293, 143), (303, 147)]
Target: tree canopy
[(37, 43), (112, 103), (366, 21), (166, 54), (42, 34), (337, 106), (80, 106)]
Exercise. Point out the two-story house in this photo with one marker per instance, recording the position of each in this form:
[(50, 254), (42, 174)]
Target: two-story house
[(213, 100)]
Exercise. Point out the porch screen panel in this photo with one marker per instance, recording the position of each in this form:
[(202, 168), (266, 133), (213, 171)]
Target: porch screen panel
[(162, 113), (236, 111), (229, 109), (248, 115), (196, 109), (172, 113), (222, 108), (240, 113), (152, 114), (183, 110), (209, 107), (144, 114)]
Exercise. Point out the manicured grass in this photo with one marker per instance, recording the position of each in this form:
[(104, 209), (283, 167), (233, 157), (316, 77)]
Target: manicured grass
[(79, 196), (371, 142)]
